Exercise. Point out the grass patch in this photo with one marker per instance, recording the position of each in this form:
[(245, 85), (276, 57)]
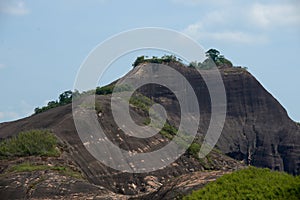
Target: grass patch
[(140, 101), (168, 131), (109, 89), (28, 167), (251, 183), (194, 149), (30, 143)]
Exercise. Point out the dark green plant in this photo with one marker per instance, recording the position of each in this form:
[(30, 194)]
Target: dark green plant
[(30, 143), (222, 61), (109, 89), (251, 183), (138, 61), (213, 54), (154, 59), (214, 58), (29, 167), (140, 101), (194, 149), (63, 99)]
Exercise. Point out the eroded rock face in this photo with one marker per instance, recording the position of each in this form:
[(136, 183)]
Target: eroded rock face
[(257, 129)]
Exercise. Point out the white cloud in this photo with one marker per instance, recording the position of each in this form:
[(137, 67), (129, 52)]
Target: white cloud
[(25, 108), (220, 26), (275, 15), (197, 32), (249, 23), (8, 115), (200, 2), (13, 7)]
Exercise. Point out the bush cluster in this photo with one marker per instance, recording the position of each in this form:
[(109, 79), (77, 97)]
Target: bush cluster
[(251, 183), (154, 59), (109, 89), (63, 99), (30, 143)]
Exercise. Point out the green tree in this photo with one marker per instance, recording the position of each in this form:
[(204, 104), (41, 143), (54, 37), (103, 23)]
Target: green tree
[(213, 54), (138, 61), (222, 61), (65, 97)]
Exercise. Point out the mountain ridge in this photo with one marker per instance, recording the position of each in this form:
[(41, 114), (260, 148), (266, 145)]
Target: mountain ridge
[(257, 131)]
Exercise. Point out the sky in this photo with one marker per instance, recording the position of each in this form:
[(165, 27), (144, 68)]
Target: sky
[(43, 43)]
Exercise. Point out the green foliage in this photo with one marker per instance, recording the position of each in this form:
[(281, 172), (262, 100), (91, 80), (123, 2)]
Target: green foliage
[(194, 149), (29, 167), (214, 58), (213, 54), (64, 98), (217, 58), (154, 59), (109, 89), (140, 101), (34, 142), (139, 60), (251, 183), (222, 61), (168, 131)]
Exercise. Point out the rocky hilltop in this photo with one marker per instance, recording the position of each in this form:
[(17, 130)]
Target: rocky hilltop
[(257, 129), (257, 132)]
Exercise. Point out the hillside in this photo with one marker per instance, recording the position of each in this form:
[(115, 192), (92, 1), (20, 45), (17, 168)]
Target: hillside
[(257, 131)]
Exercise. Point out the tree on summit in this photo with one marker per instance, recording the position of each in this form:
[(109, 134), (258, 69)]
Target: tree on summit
[(65, 97), (219, 59), (213, 54)]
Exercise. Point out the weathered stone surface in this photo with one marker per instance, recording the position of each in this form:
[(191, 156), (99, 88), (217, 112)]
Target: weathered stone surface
[(257, 129)]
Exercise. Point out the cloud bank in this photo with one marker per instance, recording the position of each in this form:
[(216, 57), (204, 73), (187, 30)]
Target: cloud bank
[(13, 7), (244, 24)]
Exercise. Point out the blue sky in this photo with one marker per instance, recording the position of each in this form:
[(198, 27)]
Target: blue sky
[(43, 43)]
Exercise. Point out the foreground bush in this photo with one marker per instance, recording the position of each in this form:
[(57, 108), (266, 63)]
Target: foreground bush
[(251, 183), (34, 142)]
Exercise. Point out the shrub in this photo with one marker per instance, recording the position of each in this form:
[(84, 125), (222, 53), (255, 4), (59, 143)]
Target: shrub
[(154, 59), (194, 149), (109, 89), (140, 101), (29, 167), (64, 98), (34, 142), (251, 183)]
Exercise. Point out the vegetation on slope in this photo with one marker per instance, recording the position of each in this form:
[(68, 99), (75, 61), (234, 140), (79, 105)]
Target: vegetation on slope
[(144, 103), (30, 143), (30, 167), (251, 183), (63, 99), (154, 59), (109, 89)]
